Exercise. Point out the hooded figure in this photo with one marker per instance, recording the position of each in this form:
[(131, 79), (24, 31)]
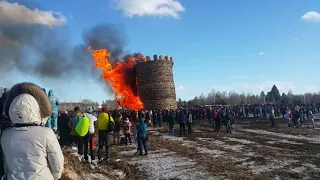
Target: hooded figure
[(52, 121), (30, 150), (141, 131)]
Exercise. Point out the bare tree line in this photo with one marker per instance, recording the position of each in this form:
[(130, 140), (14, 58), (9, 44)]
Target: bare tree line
[(234, 98)]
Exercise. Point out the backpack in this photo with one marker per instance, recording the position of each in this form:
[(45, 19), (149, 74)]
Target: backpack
[(110, 125), (82, 126)]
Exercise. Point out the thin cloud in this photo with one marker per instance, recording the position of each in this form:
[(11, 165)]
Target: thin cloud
[(180, 87), (296, 39), (311, 16), (14, 13), (262, 53), (131, 8)]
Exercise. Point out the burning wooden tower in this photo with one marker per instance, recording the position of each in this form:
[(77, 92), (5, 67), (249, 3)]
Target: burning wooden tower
[(155, 82)]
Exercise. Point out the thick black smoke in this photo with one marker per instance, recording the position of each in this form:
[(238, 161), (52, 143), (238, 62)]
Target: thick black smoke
[(37, 49), (46, 52)]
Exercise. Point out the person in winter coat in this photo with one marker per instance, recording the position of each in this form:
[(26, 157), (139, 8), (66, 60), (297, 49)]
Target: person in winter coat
[(160, 118), (52, 121), (302, 116), (272, 117), (214, 116), (141, 130), (182, 122), (73, 123), (89, 138), (287, 116), (64, 129), (117, 127), (227, 119), (155, 119), (297, 117), (218, 120), (189, 123), (310, 118), (171, 117), (127, 131), (103, 131), (4, 120), (30, 150), (2, 100)]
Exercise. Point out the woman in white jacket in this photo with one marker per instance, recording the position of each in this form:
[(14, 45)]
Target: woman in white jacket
[(310, 118), (30, 150)]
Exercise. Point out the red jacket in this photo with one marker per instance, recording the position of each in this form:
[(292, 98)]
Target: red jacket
[(215, 114)]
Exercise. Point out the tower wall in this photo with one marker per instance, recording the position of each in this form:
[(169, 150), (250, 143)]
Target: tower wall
[(155, 82)]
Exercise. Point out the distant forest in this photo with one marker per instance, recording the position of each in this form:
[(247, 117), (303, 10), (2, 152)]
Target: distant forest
[(273, 96)]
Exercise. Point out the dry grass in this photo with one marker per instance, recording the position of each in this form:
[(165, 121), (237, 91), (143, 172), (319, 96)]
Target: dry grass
[(245, 155), (72, 170)]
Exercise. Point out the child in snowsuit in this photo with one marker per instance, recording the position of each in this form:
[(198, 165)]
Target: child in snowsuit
[(127, 131), (52, 121)]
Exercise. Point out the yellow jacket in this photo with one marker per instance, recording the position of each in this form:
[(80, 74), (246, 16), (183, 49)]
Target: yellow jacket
[(103, 121)]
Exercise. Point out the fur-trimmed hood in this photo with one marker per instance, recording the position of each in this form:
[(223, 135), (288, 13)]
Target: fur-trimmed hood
[(27, 103)]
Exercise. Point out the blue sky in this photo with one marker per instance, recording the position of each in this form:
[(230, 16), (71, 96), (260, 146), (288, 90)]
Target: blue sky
[(243, 46)]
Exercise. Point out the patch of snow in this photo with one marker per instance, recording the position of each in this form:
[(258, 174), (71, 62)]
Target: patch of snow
[(164, 166), (284, 141), (197, 131), (173, 138), (188, 143), (204, 139), (152, 128), (119, 173), (236, 148), (128, 153), (277, 178), (289, 142), (222, 144), (96, 177), (211, 141), (236, 159), (182, 140), (249, 163), (271, 142), (312, 166), (270, 166), (282, 135), (250, 154), (156, 133), (243, 141), (298, 169), (212, 152)]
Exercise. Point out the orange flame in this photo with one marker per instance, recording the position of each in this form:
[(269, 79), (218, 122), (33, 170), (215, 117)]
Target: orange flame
[(115, 76)]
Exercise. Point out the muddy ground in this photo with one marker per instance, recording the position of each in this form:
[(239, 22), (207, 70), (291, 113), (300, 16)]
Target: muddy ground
[(254, 150)]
